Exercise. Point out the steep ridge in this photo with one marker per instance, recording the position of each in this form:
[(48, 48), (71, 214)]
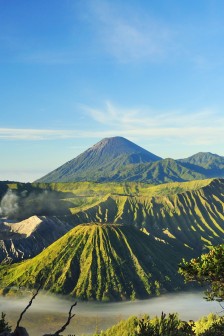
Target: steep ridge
[(177, 219), (100, 161), (181, 214), (99, 262), (193, 218)]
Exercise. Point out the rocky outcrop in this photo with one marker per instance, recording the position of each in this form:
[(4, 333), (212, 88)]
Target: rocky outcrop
[(26, 239)]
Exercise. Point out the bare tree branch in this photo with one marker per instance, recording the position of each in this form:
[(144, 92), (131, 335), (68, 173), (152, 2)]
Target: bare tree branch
[(27, 307), (70, 316)]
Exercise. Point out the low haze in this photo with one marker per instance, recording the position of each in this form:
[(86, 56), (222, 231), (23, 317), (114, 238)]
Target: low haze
[(52, 311), (74, 72)]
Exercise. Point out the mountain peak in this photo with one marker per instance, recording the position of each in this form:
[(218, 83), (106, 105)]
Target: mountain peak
[(111, 140), (100, 161), (118, 145), (205, 154), (203, 158)]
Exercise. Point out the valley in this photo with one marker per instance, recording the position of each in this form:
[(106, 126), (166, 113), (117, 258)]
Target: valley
[(134, 235), (111, 225), (49, 312)]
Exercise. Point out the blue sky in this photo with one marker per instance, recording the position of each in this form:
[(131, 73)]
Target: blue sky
[(74, 72)]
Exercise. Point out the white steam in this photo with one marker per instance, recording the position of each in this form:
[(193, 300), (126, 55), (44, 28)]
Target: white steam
[(23, 204), (9, 204)]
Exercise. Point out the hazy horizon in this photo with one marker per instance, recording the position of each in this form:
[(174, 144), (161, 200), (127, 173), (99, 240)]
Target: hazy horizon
[(75, 72)]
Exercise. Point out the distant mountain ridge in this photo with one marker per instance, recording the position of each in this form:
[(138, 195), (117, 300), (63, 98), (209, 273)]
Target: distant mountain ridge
[(202, 158), (117, 159), (205, 160)]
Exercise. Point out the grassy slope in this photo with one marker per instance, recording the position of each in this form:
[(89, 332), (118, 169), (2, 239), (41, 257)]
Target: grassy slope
[(186, 216), (127, 188), (193, 217), (192, 211), (100, 262)]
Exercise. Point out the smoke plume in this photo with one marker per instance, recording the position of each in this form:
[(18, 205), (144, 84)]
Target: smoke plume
[(21, 205), (9, 204)]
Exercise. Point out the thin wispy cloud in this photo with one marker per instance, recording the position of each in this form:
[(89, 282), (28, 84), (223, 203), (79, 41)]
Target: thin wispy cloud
[(129, 35), (29, 134), (33, 134), (201, 127), (204, 127)]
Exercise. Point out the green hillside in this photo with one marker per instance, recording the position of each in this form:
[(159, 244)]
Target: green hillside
[(65, 198), (188, 214), (100, 262), (162, 171), (118, 261), (206, 160), (122, 169)]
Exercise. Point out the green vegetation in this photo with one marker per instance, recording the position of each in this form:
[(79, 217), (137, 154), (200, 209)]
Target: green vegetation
[(195, 204), (209, 325), (4, 325), (178, 220), (121, 170), (190, 216), (167, 325), (99, 262), (207, 269), (207, 161), (96, 189), (72, 197)]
